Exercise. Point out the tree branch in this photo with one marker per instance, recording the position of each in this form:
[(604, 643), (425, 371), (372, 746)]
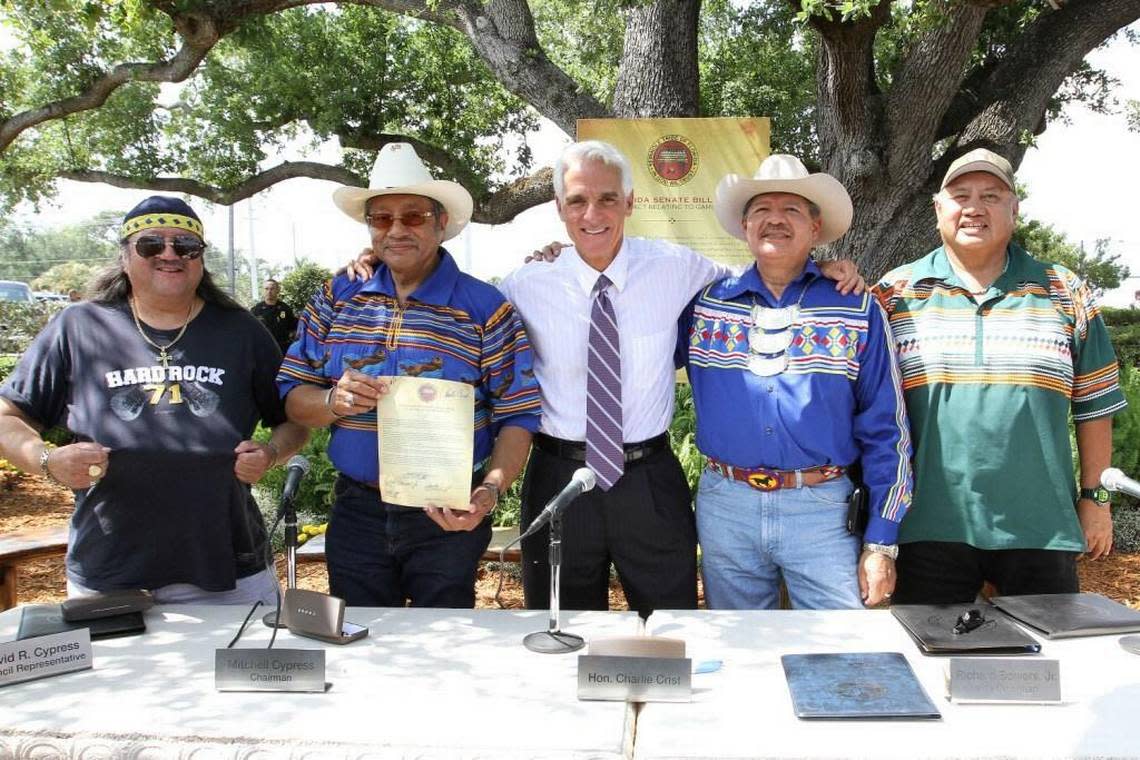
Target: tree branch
[(1022, 82), (219, 195), (923, 87), (502, 33), (451, 166), (490, 208), (199, 34)]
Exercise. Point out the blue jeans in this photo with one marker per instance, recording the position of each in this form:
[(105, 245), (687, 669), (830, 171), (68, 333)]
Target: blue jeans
[(383, 555), (749, 538)]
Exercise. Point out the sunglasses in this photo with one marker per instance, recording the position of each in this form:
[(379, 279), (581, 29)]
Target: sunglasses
[(185, 246), (384, 221)]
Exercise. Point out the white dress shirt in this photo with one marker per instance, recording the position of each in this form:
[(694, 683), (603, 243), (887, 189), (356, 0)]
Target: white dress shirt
[(653, 282)]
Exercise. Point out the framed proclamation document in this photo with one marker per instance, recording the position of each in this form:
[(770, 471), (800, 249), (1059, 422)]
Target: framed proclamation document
[(426, 433)]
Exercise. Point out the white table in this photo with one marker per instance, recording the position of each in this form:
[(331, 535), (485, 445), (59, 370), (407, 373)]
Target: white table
[(745, 710), (424, 684)]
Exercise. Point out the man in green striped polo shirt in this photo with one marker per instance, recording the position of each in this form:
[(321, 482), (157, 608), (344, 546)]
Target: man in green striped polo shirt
[(996, 349)]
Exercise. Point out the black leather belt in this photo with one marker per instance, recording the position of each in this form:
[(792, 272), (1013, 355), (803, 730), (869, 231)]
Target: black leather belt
[(576, 450)]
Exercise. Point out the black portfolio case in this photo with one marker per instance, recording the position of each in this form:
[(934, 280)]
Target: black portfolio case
[(1063, 616), (932, 628), (43, 619)]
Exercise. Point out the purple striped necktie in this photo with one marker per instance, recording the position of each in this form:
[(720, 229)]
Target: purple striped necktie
[(604, 452)]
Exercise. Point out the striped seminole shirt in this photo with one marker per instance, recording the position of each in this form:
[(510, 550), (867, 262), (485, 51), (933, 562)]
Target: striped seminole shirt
[(453, 327), (990, 382), (837, 401)]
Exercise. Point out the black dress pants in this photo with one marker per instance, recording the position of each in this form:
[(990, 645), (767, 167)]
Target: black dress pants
[(941, 572), (644, 525)]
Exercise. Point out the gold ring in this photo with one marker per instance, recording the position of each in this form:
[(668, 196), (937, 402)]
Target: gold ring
[(95, 471)]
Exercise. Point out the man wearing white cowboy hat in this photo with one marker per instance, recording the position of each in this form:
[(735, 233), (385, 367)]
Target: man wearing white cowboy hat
[(793, 383), (416, 315), (997, 351), (639, 519)]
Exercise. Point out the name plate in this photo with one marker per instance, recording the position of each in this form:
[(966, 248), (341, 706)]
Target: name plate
[(45, 656), (635, 679), (269, 669), (1004, 679)]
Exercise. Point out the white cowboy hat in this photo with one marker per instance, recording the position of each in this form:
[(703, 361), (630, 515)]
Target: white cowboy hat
[(399, 171), (781, 173)]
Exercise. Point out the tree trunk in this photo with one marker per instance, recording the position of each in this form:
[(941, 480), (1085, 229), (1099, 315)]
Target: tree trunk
[(659, 74)]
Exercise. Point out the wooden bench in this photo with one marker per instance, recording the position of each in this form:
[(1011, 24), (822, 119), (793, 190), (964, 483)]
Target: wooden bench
[(313, 550), (20, 546)]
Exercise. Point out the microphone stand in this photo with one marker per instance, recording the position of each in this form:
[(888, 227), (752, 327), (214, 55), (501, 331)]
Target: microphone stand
[(553, 640), (273, 619)]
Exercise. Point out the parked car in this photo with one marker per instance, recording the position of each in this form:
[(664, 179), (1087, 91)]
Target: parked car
[(16, 292), (44, 297)]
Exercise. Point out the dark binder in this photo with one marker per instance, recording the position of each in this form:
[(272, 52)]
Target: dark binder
[(858, 685), (1063, 616), (44, 619), (932, 628)]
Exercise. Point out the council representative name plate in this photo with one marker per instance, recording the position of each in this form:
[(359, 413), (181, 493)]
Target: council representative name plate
[(43, 656)]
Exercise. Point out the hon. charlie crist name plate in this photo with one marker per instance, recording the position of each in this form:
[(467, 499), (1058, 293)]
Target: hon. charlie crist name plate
[(269, 669), (1004, 679), (43, 656), (635, 679)]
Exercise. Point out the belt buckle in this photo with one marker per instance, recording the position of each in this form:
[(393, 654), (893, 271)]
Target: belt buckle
[(762, 480)]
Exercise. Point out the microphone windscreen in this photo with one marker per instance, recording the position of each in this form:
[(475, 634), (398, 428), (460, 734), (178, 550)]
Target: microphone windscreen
[(1112, 479), (299, 462), (586, 477)]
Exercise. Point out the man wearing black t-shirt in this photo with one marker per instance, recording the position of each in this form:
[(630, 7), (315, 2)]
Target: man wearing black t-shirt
[(276, 315), (161, 379)]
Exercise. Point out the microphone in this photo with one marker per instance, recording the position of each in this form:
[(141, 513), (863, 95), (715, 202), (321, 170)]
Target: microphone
[(297, 468), (1115, 480), (583, 480)]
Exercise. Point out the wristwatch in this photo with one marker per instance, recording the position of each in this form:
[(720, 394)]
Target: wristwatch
[(891, 550), (1099, 494)]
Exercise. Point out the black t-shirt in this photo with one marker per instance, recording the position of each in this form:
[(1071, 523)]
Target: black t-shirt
[(169, 509), (279, 320)]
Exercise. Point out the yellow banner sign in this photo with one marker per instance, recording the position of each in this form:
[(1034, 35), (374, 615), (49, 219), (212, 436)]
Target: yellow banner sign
[(677, 164)]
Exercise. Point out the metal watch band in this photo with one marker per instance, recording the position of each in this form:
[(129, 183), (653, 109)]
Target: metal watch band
[(890, 550)]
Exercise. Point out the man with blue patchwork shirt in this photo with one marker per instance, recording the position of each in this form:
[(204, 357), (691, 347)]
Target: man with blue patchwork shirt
[(417, 315), (793, 383)]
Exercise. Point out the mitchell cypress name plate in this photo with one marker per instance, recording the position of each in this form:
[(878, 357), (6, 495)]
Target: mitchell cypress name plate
[(269, 670), (43, 656), (635, 679), (1002, 679)]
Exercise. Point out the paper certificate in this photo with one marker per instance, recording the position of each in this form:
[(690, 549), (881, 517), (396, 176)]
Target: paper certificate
[(426, 432)]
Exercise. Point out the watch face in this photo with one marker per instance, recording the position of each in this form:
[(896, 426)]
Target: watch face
[(1099, 494)]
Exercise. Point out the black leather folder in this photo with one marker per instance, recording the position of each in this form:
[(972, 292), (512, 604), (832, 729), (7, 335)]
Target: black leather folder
[(932, 628), (44, 619), (1064, 616), (856, 686)]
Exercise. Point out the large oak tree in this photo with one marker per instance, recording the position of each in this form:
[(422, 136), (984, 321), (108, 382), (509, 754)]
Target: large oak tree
[(882, 95)]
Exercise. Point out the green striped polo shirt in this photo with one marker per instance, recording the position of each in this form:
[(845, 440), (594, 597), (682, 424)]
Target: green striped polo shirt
[(989, 383)]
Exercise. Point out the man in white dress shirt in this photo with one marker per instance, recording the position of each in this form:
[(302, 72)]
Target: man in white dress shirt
[(643, 523)]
